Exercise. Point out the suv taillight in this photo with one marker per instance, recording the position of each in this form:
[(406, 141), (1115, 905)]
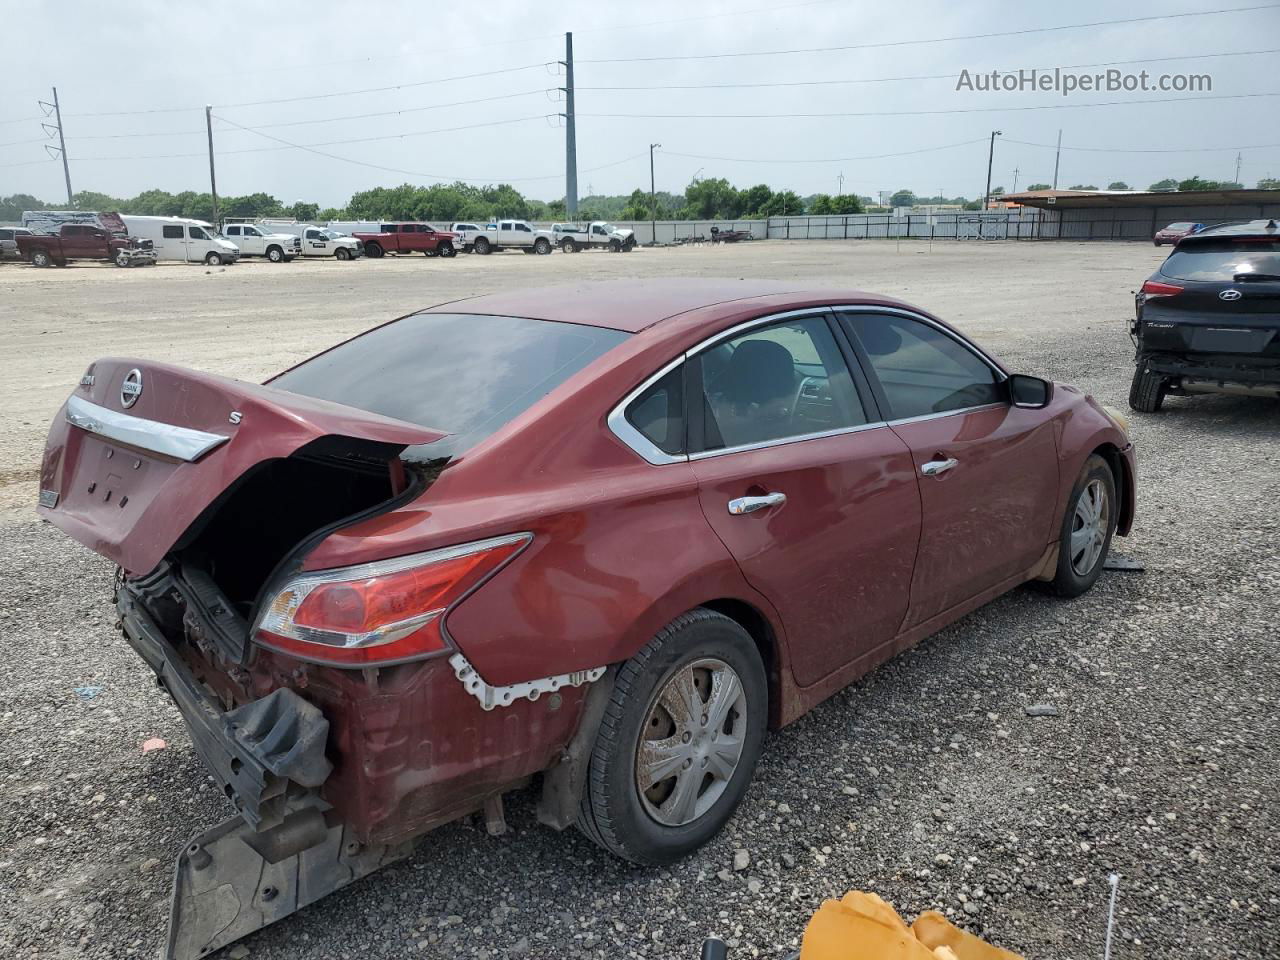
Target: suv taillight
[(1154, 288), (387, 611)]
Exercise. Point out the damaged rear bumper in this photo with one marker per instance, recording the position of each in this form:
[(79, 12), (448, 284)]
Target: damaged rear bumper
[(253, 751), (286, 848)]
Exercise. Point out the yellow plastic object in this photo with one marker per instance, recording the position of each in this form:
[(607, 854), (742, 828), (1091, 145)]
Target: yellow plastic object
[(934, 930), (863, 927)]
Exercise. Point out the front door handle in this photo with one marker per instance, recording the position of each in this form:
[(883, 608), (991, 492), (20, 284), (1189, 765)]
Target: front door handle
[(741, 505), (937, 467)]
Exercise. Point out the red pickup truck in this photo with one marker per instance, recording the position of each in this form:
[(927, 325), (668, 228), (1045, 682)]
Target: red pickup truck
[(408, 238), (106, 240)]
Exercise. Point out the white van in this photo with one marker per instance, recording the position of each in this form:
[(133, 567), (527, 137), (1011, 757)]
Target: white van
[(178, 238)]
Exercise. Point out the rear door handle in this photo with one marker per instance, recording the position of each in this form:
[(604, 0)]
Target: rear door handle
[(741, 505), (935, 467)]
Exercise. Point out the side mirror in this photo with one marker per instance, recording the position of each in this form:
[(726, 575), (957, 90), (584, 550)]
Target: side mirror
[(1031, 393)]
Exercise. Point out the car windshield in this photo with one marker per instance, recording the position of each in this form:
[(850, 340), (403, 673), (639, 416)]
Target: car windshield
[(464, 374), (1223, 260), (332, 234), (1179, 226), (608, 227)]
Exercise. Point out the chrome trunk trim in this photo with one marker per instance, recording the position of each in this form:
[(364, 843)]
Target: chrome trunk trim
[(167, 439)]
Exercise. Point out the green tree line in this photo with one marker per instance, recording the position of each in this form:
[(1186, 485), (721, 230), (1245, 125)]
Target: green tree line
[(713, 198)]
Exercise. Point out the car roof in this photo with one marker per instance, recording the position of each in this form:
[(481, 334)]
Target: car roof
[(1239, 228), (635, 305)]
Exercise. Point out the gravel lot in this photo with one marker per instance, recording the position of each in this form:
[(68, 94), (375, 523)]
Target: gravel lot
[(925, 783)]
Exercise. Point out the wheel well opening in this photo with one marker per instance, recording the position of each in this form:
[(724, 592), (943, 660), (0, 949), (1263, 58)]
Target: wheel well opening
[(1120, 470), (761, 631)]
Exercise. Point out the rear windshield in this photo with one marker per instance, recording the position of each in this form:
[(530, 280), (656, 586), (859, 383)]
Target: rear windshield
[(1223, 260), (464, 374)]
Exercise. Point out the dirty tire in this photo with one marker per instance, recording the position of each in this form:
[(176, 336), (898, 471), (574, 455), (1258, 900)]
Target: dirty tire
[(213, 259), (568, 246), (342, 253), (374, 250), (1146, 393), (482, 245), (40, 258), (275, 255), (1068, 581), (611, 812)]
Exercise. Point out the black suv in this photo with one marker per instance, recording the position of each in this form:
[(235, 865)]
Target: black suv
[(1208, 321)]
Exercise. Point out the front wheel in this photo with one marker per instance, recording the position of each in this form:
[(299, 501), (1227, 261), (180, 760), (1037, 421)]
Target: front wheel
[(678, 742), (1087, 529), (342, 253), (213, 259), (1146, 393), (122, 260), (447, 250), (275, 255), (615, 246)]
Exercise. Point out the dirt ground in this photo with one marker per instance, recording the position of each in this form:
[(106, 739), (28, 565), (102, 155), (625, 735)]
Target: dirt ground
[(925, 782)]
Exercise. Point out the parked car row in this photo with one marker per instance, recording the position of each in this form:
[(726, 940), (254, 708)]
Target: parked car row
[(55, 238)]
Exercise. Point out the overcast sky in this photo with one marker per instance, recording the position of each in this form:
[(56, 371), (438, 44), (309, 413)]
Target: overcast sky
[(175, 58)]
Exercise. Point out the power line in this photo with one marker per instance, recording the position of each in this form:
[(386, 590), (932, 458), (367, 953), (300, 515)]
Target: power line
[(395, 113), (925, 76), (414, 173), (916, 113), (1051, 146), (909, 43), (870, 156)]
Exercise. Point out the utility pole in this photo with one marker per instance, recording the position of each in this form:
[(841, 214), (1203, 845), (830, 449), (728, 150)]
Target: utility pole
[(62, 140), (653, 198), (1015, 180), (1239, 158), (1056, 157), (840, 184), (570, 133), (213, 181), (991, 152)]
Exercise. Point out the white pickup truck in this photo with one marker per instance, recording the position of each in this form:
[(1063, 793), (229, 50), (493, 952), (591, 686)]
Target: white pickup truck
[(319, 241), (467, 233), (255, 241), (514, 235), (572, 237)]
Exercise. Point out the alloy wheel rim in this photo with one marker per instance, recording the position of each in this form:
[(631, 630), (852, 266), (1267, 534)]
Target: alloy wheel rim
[(1089, 526), (691, 742)]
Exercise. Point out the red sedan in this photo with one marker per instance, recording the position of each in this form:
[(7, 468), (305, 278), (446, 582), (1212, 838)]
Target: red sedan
[(601, 536)]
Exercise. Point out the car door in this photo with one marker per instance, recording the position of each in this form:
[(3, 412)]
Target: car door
[(172, 244), (988, 470), (314, 242), (812, 493)]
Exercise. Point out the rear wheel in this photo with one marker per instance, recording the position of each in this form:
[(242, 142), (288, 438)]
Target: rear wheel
[(1146, 393), (213, 259), (342, 253), (40, 258), (678, 742), (374, 250), (482, 245), (568, 246), (1086, 529), (542, 246), (275, 255)]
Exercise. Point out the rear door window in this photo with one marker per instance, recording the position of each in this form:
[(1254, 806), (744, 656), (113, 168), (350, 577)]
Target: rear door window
[(461, 373), (1223, 261), (921, 369), (776, 382), (233, 231)]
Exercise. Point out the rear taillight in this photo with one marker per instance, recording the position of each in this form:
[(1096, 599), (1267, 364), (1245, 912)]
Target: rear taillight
[(387, 611), (1154, 288)]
